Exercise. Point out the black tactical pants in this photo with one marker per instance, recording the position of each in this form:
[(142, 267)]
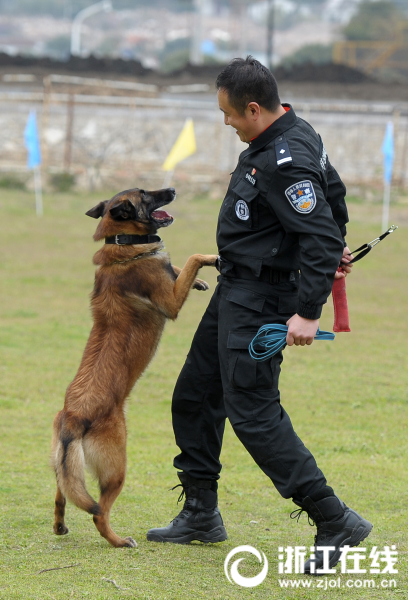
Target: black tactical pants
[(220, 379)]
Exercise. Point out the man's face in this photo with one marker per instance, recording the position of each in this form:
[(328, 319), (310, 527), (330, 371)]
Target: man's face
[(244, 124)]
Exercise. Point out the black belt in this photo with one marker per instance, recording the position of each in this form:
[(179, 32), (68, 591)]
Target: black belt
[(267, 274)]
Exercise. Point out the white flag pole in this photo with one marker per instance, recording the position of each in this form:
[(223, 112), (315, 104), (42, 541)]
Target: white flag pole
[(38, 191), (386, 205), (167, 178), (388, 152)]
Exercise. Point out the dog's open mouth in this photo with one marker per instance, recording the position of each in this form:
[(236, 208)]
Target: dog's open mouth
[(162, 218)]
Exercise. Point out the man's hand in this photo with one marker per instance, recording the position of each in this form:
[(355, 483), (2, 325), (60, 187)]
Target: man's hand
[(344, 268), (301, 331)]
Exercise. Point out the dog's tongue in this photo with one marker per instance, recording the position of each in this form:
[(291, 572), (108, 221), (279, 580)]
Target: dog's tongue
[(161, 214)]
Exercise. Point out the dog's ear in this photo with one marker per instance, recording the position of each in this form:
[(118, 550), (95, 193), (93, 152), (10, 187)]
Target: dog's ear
[(124, 211), (97, 211)]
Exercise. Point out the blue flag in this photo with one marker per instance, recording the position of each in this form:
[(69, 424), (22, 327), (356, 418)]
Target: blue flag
[(32, 142), (388, 151)]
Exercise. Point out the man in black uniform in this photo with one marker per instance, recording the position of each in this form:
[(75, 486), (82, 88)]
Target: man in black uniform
[(284, 212)]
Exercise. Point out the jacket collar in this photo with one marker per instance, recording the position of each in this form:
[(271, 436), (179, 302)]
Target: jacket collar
[(278, 127)]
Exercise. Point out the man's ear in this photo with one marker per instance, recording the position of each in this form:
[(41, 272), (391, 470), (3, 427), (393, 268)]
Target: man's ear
[(124, 211), (97, 211), (254, 109)]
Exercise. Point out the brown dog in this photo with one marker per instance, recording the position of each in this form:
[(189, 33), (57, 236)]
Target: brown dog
[(136, 290)]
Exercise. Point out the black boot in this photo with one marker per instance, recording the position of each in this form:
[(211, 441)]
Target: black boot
[(337, 526), (200, 518)]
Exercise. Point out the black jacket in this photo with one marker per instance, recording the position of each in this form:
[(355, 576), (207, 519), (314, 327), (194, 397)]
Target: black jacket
[(285, 209)]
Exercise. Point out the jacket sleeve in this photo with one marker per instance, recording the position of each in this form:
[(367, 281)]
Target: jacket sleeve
[(297, 198), (336, 198)]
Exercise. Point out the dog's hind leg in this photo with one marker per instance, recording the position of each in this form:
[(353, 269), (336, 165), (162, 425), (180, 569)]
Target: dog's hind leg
[(105, 453), (67, 459), (60, 501), (59, 513)]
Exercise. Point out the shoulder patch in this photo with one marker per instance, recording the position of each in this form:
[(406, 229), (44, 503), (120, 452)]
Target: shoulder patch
[(282, 151), (302, 196)]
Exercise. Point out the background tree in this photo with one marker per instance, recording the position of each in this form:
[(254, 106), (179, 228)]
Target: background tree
[(374, 21), (318, 54)]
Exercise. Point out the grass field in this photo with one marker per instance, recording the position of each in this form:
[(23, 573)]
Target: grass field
[(347, 399)]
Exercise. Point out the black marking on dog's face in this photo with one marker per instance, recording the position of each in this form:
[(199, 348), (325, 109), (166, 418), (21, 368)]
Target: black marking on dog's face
[(144, 207), (137, 206), (124, 211), (98, 210), (160, 218)]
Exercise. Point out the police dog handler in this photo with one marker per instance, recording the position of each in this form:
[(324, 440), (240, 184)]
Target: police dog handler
[(284, 212)]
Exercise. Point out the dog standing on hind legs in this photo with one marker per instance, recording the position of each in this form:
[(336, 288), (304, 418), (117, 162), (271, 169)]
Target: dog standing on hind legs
[(136, 290)]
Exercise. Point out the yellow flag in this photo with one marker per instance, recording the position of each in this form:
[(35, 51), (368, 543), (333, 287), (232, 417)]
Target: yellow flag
[(184, 146)]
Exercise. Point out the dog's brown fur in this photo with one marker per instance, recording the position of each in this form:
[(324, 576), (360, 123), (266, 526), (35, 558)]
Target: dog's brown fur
[(136, 290)]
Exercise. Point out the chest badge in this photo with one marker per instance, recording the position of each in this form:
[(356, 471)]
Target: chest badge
[(250, 177), (302, 196), (242, 210)]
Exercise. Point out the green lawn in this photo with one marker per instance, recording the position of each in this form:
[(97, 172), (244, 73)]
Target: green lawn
[(347, 399)]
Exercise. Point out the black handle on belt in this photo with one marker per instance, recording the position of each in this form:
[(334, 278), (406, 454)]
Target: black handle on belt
[(365, 248)]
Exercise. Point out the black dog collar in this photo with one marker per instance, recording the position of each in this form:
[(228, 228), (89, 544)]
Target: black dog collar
[(127, 240)]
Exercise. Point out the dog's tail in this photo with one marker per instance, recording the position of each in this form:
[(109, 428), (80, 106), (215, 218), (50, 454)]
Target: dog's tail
[(68, 460)]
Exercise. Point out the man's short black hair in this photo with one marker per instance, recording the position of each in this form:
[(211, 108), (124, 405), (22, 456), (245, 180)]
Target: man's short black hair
[(247, 80)]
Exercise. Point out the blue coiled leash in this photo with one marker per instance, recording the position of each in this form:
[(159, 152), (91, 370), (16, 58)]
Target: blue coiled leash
[(272, 339)]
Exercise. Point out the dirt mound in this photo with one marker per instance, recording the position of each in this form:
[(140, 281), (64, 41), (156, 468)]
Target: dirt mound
[(329, 73), (77, 64), (209, 72), (307, 72)]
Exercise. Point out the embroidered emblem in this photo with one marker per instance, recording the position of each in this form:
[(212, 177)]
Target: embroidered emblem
[(253, 171), (242, 210), (250, 178), (302, 196)]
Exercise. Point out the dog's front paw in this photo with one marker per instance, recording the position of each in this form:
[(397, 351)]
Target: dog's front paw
[(200, 285), (210, 260)]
